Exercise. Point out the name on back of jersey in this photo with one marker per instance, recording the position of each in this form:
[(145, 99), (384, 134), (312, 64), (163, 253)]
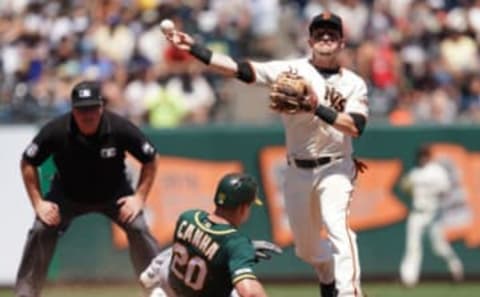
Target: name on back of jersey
[(198, 238)]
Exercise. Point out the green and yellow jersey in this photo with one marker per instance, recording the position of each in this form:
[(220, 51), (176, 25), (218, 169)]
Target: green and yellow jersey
[(208, 258)]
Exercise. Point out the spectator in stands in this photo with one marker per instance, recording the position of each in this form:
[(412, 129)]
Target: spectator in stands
[(195, 93), (413, 42)]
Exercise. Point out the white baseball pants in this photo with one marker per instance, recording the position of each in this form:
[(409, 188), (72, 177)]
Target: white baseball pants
[(319, 198), (418, 222)]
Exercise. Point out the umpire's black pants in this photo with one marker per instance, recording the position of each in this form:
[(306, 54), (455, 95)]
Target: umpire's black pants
[(42, 240)]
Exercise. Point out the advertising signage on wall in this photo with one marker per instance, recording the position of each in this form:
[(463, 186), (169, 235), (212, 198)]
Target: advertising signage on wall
[(373, 205), (183, 183), (192, 161), (180, 184)]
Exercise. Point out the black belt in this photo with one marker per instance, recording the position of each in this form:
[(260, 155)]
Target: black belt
[(312, 163)]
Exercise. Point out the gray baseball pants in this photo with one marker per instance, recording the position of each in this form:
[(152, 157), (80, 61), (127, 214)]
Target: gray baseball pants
[(42, 240)]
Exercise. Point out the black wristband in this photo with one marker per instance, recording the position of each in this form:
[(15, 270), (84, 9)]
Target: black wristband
[(202, 53), (245, 72), (359, 121), (327, 114)]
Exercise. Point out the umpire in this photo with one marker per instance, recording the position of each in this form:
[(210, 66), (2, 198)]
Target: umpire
[(88, 146)]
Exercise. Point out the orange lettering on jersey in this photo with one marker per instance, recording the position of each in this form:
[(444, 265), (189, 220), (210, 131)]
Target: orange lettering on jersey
[(335, 98)]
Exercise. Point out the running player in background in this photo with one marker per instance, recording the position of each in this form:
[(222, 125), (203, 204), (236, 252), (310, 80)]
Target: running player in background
[(428, 183)]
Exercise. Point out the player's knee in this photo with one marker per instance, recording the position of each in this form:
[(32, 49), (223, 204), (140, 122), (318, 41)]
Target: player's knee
[(440, 250), (414, 248), (302, 255), (335, 226), (40, 228)]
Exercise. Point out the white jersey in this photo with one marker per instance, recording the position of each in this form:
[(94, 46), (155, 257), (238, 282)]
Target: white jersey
[(307, 136), (429, 184)]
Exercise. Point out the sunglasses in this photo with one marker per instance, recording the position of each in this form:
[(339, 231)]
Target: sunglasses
[(326, 34)]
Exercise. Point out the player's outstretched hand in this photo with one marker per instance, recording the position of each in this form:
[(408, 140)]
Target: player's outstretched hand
[(48, 212), (264, 249), (180, 40)]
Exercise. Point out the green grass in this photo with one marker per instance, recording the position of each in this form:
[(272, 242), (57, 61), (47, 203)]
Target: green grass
[(427, 289), (385, 290)]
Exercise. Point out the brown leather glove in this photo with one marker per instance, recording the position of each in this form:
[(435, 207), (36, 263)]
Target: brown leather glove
[(290, 94)]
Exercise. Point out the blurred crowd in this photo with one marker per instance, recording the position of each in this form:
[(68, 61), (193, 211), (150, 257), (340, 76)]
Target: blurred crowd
[(420, 58)]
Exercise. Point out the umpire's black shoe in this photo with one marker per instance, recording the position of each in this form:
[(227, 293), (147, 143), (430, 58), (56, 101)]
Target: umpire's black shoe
[(328, 290)]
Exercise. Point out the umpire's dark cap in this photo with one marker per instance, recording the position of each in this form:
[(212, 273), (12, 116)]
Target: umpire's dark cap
[(86, 94), (326, 20)]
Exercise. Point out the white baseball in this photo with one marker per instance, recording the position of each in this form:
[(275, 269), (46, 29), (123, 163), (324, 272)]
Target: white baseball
[(167, 26)]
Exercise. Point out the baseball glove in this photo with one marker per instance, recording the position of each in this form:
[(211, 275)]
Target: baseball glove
[(290, 94), (264, 249)]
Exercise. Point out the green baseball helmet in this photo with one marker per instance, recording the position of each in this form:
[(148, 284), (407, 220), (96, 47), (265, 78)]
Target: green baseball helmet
[(235, 189)]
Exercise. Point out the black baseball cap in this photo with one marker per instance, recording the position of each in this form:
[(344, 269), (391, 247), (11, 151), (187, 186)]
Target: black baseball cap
[(86, 94), (326, 20), (424, 152)]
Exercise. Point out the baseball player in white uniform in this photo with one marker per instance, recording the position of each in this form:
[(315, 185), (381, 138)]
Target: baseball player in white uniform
[(321, 172), (428, 184)]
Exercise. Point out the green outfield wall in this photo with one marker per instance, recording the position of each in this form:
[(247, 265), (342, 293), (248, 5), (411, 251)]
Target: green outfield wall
[(86, 251)]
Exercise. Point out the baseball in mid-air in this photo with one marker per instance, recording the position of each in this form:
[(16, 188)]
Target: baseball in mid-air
[(167, 26)]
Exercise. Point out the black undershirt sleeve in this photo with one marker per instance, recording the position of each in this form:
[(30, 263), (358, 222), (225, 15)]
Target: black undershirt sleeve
[(245, 72), (359, 121), (327, 114)]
